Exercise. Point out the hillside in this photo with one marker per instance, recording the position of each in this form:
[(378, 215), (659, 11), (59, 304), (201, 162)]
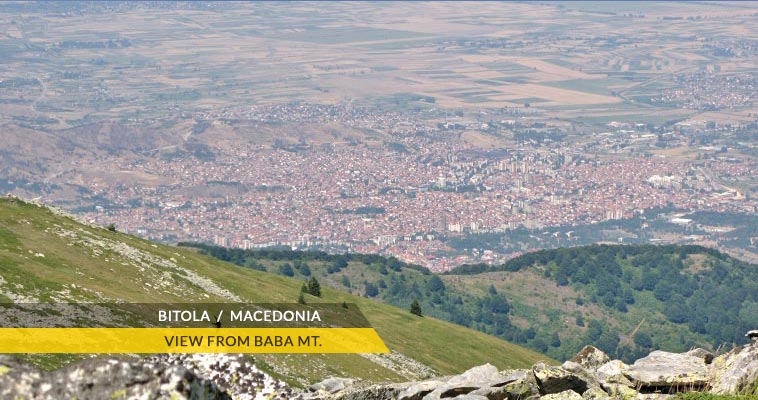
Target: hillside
[(627, 300), (47, 256)]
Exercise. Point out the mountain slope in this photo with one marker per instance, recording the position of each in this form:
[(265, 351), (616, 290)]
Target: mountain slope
[(626, 300), (47, 256)]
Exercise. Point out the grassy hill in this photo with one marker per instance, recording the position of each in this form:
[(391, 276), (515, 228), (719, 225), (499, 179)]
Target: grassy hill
[(626, 300), (49, 257)]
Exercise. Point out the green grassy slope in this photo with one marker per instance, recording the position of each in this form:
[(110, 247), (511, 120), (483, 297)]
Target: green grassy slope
[(49, 257)]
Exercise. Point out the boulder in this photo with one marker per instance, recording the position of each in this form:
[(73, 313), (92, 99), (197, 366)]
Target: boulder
[(612, 372), (590, 357), (417, 391), (735, 372), (619, 391), (525, 387), (706, 355), (106, 379), (595, 393), (470, 397), (669, 372), (376, 392), (552, 380), (477, 375), (332, 385), (565, 395)]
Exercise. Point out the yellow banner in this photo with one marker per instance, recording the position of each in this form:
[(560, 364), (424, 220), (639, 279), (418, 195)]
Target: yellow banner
[(190, 340)]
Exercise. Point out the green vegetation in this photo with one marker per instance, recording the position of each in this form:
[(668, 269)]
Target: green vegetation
[(416, 308), (626, 300), (46, 256)]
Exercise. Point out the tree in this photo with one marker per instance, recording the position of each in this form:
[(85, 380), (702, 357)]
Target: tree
[(286, 270), (643, 340), (111, 227), (345, 281), (314, 288), (594, 330), (305, 270), (304, 288), (371, 290), (435, 284), (301, 299), (416, 308), (555, 340)]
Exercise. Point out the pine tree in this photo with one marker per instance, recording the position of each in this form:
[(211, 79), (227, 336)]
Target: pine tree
[(416, 308), (304, 288), (301, 299), (314, 288)]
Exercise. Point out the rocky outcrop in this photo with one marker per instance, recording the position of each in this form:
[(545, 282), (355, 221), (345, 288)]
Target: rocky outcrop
[(736, 371), (105, 379), (165, 376), (590, 357), (589, 375), (236, 373), (669, 372), (221, 376), (569, 376)]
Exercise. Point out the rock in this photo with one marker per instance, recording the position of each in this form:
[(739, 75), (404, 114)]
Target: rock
[(590, 357), (237, 374), (619, 391), (523, 387), (552, 380), (595, 393), (377, 392), (669, 372), (706, 355), (332, 385), (515, 375), (470, 397), (612, 373), (735, 372), (417, 391), (476, 375), (106, 379), (565, 395)]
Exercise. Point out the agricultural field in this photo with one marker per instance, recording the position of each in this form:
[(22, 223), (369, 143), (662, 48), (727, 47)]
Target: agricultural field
[(66, 66)]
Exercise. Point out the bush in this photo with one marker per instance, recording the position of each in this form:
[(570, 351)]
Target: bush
[(416, 308)]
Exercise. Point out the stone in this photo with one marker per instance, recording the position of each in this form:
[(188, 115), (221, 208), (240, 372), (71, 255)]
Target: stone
[(706, 355), (552, 380), (619, 391), (590, 357), (418, 390), (106, 379), (481, 374), (525, 387), (565, 395), (669, 372), (595, 393), (735, 372), (376, 392), (470, 397), (612, 372), (332, 385)]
